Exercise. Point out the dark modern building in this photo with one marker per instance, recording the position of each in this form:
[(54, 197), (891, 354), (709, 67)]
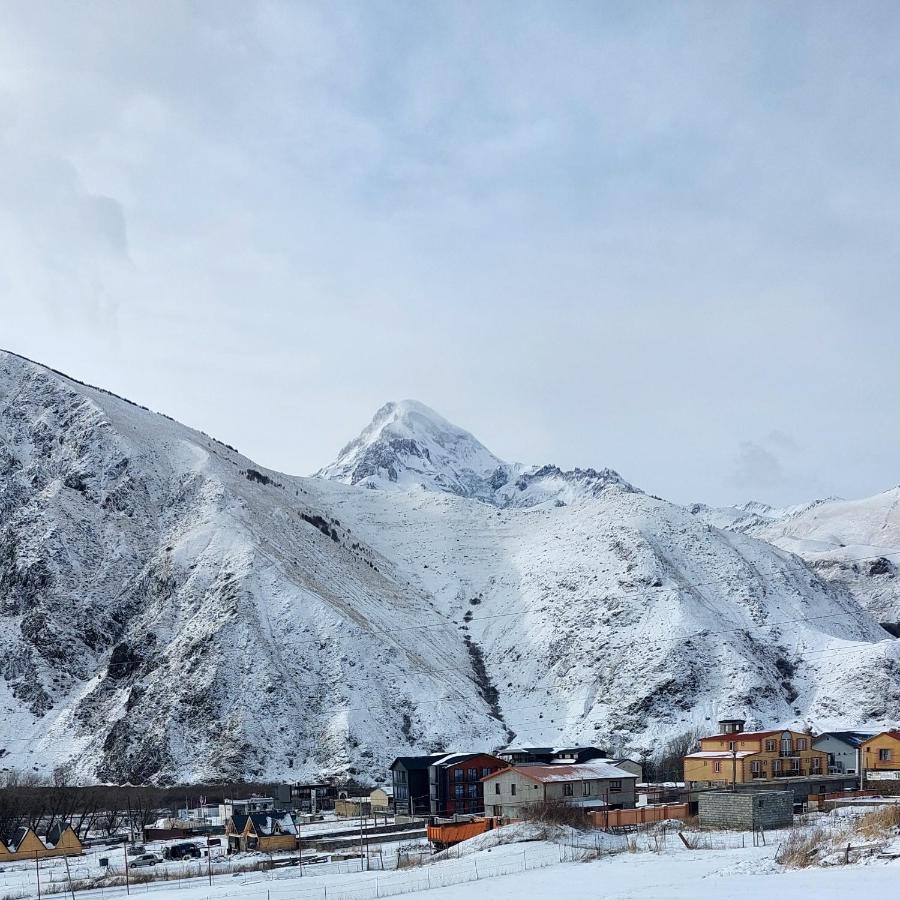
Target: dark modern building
[(410, 781), (544, 756)]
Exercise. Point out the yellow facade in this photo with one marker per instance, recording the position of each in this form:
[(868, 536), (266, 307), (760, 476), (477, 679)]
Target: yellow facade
[(882, 752), (31, 847), (745, 757)]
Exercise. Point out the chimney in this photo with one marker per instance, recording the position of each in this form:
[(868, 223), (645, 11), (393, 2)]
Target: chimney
[(731, 726)]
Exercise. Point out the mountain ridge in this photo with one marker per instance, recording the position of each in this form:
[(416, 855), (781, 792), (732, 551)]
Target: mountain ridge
[(175, 612)]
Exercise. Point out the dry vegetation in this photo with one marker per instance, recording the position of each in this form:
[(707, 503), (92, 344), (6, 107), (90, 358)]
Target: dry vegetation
[(844, 842)]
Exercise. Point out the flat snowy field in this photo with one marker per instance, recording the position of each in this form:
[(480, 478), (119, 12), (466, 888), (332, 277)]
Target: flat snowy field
[(659, 867)]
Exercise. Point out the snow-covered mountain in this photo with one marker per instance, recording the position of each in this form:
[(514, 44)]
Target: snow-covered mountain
[(851, 542), (408, 446), (174, 611)]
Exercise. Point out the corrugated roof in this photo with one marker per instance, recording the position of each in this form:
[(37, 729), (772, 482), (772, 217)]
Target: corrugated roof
[(563, 772), (720, 754), (852, 738)]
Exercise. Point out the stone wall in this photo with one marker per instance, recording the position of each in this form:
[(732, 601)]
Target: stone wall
[(763, 809)]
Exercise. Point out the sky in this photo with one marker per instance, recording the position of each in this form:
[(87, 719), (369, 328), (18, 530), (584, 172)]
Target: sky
[(660, 237)]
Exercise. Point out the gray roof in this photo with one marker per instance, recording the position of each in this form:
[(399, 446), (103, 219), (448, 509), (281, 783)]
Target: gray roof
[(851, 738)]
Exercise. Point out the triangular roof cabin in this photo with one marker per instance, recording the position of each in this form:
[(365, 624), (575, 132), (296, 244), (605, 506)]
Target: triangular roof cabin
[(25, 841), (63, 837)]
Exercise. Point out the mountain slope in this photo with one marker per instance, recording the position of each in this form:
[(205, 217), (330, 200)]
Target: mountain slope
[(855, 543), (174, 612)]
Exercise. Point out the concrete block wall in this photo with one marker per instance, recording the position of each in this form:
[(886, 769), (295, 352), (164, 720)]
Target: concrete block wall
[(764, 809)]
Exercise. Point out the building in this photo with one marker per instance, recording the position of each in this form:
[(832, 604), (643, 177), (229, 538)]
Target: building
[(409, 778), (843, 749), (881, 752), (265, 832), (629, 765), (507, 792), (455, 782), (204, 814), (312, 798), (749, 810), (352, 806), (61, 840), (381, 800), (746, 756), (519, 756), (229, 808)]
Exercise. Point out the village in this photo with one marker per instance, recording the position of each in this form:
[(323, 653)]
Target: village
[(428, 808)]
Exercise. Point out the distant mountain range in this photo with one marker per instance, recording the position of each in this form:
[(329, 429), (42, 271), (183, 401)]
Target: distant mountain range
[(175, 612)]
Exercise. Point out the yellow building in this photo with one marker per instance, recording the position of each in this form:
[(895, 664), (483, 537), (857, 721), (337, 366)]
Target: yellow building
[(25, 844), (881, 752), (263, 832), (742, 756)]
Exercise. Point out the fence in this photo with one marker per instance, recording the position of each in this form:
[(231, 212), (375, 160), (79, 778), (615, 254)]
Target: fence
[(287, 884), (641, 815)]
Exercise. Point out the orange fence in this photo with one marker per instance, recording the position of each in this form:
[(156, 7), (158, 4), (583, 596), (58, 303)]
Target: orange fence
[(621, 818), (454, 832)]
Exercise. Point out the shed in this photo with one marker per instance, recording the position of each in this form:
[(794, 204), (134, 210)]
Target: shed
[(746, 809)]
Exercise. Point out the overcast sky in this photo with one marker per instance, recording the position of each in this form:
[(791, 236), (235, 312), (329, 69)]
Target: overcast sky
[(658, 237)]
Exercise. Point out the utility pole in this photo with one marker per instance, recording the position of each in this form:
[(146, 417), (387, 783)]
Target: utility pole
[(209, 860), (69, 876), (127, 879), (37, 869)]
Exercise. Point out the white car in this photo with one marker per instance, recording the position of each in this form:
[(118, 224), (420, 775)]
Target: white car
[(145, 859)]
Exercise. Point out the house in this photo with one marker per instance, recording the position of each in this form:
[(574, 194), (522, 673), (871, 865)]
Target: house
[(409, 777), (843, 749), (509, 791), (518, 756), (741, 757), (352, 806), (455, 782), (313, 798), (627, 764), (26, 844), (229, 808), (381, 799), (62, 839), (881, 752), (265, 832)]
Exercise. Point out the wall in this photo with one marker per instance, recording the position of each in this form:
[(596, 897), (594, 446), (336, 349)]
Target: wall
[(844, 756), (620, 818), (881, 742), (764, 809)]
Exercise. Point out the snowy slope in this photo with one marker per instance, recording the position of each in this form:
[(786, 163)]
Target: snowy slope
[(851, 542), (173, 611)]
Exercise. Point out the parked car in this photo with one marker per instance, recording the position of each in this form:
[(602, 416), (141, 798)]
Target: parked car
[(185, 850), (136, 850), (146, 859)]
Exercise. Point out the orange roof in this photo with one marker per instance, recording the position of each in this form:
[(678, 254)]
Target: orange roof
[(891, 733)]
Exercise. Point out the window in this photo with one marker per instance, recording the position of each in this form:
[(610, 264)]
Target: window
[(512, 789), (496, 787), (568, 790), (884, 755), (801, 743), (472, 791), (756, 767), (473, 775), (732, 745), (770, 745), (460, 791), (816, 765), (458, 774), (586, 788), (615, 786), (717, 766), (485, 773), (786, 744)]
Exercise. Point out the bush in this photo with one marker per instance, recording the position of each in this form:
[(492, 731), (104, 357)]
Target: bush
[(555, 812)]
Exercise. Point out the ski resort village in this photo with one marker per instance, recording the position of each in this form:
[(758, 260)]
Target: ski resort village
[(426, 670)]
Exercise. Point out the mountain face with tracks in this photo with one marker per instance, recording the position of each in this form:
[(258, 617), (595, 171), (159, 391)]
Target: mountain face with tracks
[(174, 612)]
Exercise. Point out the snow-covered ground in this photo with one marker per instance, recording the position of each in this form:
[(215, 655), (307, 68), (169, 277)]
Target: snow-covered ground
[(656, 866)]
